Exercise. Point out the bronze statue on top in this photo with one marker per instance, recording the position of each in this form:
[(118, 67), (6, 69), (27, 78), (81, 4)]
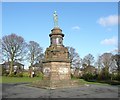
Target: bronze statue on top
[(55, 18)]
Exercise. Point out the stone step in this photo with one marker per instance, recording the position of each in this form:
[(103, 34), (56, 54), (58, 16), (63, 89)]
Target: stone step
[(56, 83)]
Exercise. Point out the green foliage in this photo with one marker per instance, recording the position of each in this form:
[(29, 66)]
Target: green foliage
[(104, 75), (115, 77), (39, 74), (6, 79), (26, 74), (118, 77), (74, 77), (19, 74), (88, 76), (11, 75), (4, 72)]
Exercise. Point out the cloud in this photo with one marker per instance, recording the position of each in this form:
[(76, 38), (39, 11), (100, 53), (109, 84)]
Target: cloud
[(114, 50), (109, 29), (108, 21), (76, 28), (111, 41)]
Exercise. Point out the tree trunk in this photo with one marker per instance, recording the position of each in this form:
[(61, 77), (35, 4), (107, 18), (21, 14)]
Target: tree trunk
[(11, 68), (11, 64)]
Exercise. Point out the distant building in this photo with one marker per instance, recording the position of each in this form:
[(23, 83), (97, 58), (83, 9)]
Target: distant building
[(17, 67)]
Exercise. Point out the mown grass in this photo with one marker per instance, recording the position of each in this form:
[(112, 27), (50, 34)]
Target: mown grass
[(82, 81), (5, 79), (0, 79)]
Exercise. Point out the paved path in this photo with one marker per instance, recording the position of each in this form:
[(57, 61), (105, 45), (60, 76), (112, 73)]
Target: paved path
[(92, 91)]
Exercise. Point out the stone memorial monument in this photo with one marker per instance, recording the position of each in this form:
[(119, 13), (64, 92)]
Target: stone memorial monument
[(56, 64)]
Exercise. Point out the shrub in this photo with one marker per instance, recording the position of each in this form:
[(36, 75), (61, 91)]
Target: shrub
[(73, 76), (39, 74), (11, 75), (95, 76), (104, 76), (19, 74), (115, 77), (118, 77), (26, 74), (4, 72), (88, 76)]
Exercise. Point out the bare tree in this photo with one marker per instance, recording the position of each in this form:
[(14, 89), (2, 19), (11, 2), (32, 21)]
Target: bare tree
[(98, 64), (74, 57), (106, 60), (116, 66), (88, 60), (13, 49), (0, 50), (35, 53)]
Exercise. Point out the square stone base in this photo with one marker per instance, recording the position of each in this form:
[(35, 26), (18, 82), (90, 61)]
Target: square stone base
[(56, 71), (48, 84)]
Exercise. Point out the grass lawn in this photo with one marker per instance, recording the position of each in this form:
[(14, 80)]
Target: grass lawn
[(85, 82), (5, 79), (82, 81)]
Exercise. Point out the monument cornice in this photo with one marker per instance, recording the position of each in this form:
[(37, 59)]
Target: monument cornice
[(56, 60)]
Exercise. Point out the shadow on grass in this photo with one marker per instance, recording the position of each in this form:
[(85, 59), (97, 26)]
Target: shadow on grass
[(101, 82), (110, 82)]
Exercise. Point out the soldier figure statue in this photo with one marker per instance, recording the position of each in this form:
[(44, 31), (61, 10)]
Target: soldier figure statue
[(55, 17)]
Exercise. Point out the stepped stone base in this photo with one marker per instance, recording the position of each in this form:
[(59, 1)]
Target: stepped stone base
[(54, 84)]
